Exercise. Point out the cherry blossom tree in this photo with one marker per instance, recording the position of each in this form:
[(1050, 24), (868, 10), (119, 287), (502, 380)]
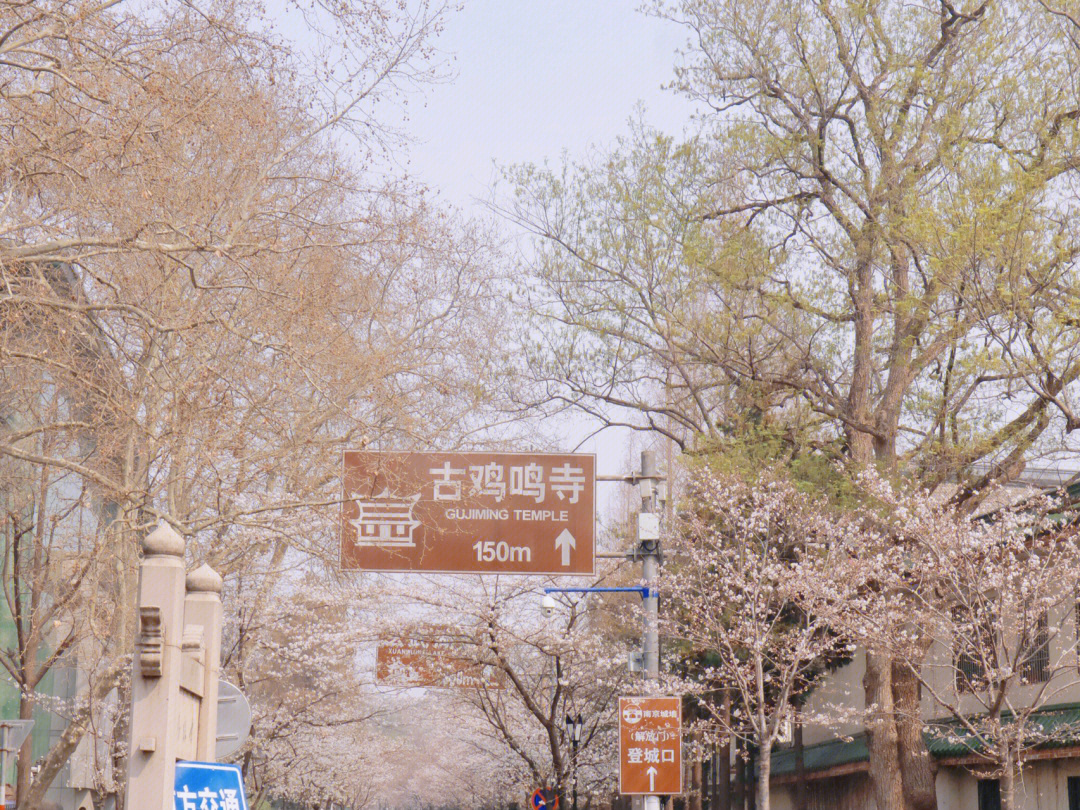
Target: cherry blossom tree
[(574, 661), (295, 656), (747, 598), (975, 608)]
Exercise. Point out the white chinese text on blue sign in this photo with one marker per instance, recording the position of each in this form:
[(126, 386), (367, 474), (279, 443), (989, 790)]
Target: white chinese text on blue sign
[(208, 786)]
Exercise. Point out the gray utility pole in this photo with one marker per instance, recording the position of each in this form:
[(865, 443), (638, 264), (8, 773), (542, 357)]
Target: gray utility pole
[(649, 551)]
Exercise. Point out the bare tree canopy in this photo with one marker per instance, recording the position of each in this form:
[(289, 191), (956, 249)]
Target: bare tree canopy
[(210, 284)]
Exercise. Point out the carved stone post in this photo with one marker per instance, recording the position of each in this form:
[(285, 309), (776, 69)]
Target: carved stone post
[(155, 673), (174, 677), (202, 616)]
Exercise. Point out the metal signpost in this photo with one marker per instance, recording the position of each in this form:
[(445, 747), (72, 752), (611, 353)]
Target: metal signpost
[(650, 745), (573, 730), (431, 662), (13, 734), (481, 513), (208, 786)]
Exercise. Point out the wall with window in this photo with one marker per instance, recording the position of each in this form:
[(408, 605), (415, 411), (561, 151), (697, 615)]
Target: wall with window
[(1045, 786), (1053, 672)]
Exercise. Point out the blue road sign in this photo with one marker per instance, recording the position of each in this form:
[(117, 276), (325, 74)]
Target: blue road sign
[(208, 786)]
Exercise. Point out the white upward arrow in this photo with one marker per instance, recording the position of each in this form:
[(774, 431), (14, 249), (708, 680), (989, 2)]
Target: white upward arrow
[(565, 541), (652, 777)]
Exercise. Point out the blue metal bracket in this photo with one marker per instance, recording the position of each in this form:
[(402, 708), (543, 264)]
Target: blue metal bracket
[(641, 590)]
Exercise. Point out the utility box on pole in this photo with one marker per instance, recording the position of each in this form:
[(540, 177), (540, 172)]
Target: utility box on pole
[(174, 676)]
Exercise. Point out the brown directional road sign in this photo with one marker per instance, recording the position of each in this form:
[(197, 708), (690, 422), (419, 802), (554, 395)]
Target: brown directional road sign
[(431, 661), (650, 745), (484, 513)]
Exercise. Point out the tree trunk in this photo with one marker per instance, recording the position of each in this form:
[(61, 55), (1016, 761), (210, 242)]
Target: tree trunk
[(26, 752), (121, 731), (696, 781), (124, 624), (694, 799), (764, 800), (917, 767), (1008, 782), (881, 733), (708, 781)]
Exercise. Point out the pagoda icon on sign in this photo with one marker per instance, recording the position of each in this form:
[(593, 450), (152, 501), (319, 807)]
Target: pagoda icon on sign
[(385, 520)]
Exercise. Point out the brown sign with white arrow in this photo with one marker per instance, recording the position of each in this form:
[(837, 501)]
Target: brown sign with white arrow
[(486, 513), (650, 745)]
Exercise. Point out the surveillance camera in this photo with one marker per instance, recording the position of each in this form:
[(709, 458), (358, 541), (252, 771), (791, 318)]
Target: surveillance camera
[(549, 605)]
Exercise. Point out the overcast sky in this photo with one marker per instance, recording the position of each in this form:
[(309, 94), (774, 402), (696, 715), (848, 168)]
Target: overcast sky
[(536, 78)]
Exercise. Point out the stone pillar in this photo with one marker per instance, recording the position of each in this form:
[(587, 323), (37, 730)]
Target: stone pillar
[(155, 672), (174, 677), (202, 617)]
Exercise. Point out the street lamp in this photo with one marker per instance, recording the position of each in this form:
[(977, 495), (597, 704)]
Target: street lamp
[(573, 730)]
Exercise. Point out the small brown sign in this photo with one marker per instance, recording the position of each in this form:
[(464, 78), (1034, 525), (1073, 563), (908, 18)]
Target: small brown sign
[(431, 662), (485, 513), (650, 745)]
